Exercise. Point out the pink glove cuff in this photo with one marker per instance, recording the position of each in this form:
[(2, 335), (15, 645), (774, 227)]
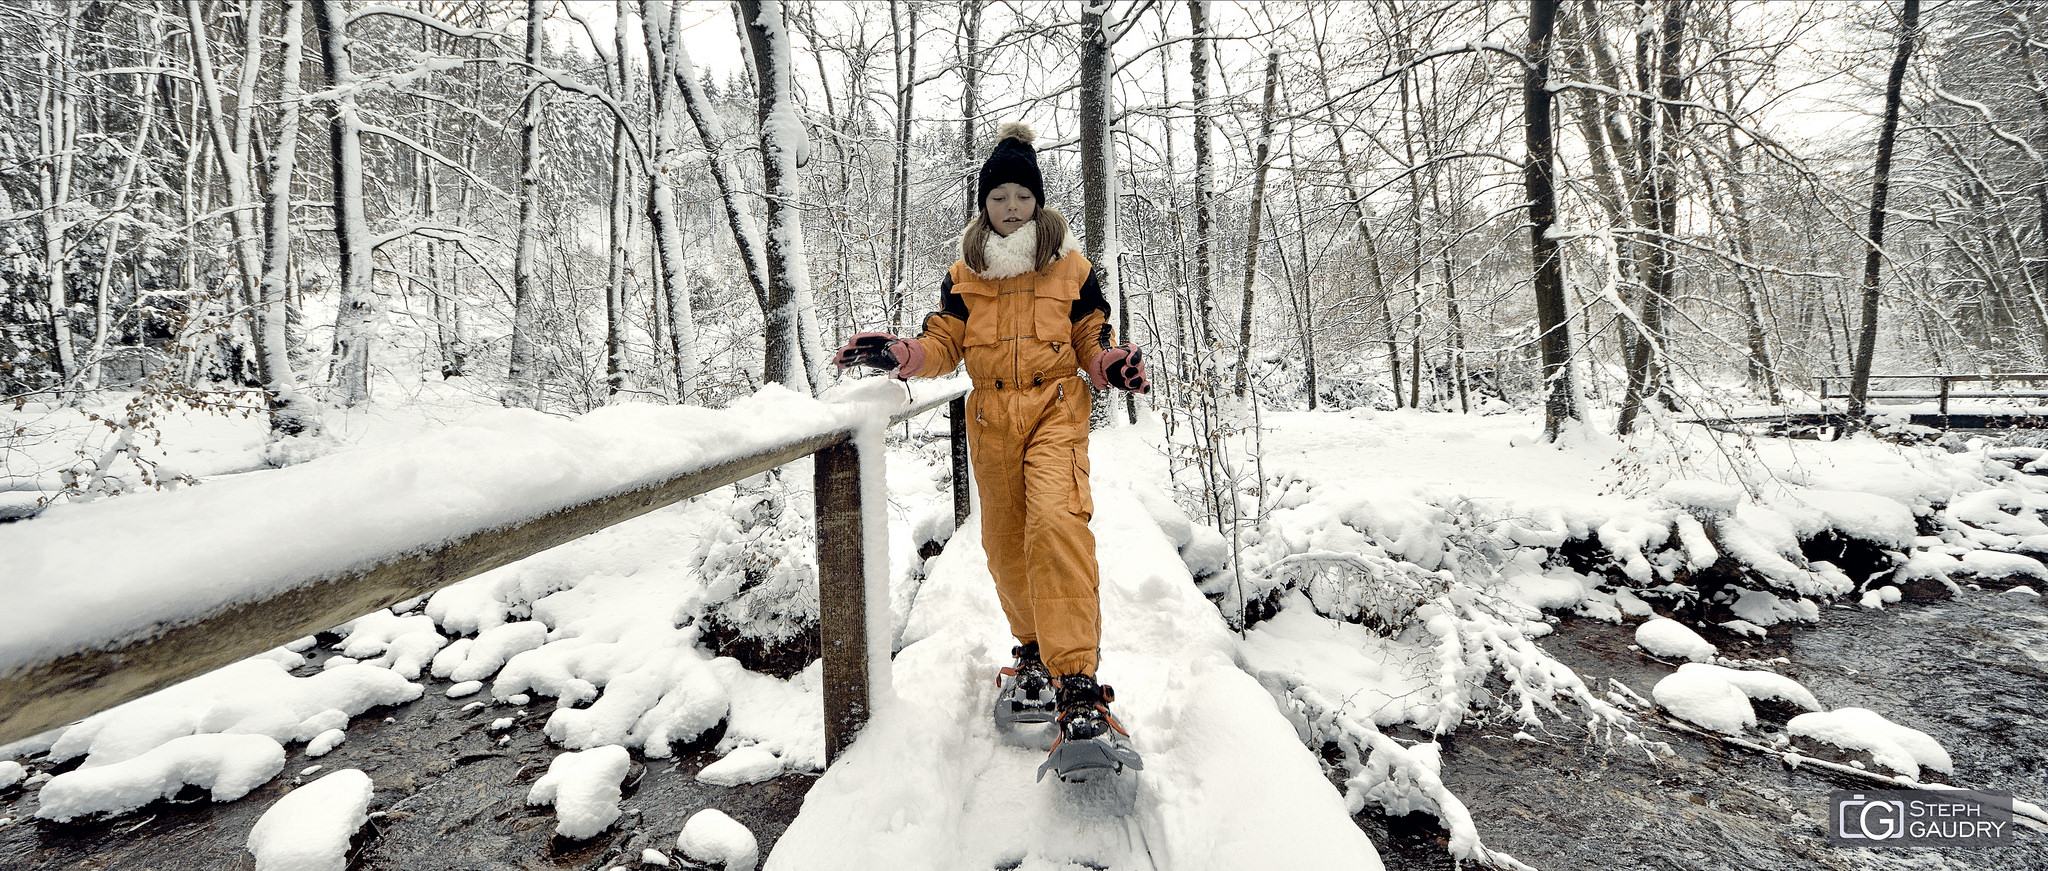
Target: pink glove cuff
[(910, 353)]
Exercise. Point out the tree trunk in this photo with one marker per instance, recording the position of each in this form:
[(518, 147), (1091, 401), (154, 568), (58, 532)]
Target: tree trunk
[(621, 219), (663, 48), (1261, 163), (1539, 141), (783, 149), (1660, 177), (290, 413), (1098, 163), (970, 100), (1205, 174), (355, 320), (1880, 188), (522, 391), (899, 205)]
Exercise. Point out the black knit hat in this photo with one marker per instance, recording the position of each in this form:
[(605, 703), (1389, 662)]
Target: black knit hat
[(1013, 160)]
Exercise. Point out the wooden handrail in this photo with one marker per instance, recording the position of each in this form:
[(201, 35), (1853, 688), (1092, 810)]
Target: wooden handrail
[(1942, 392), (70, 686)]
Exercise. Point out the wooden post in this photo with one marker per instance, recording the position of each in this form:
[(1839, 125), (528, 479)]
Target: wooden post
[(842, 595), (957, 410), (1944, 400)]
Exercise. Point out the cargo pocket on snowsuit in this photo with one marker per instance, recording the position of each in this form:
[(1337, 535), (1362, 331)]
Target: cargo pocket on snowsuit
[(1084, 498)]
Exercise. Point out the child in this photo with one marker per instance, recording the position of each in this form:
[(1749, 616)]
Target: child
[(1025, 311)]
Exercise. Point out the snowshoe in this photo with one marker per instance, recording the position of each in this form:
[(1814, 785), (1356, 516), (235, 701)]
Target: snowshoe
[(1091, 741), (1024, 689)]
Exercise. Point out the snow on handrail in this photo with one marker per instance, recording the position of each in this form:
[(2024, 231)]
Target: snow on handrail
[(113, 600)]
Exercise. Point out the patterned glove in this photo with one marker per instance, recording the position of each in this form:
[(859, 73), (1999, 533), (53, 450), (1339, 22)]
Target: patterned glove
[(1122, 367), (881, 351)]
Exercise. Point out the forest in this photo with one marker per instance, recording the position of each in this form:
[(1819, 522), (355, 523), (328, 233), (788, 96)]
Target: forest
[(1668, 208)]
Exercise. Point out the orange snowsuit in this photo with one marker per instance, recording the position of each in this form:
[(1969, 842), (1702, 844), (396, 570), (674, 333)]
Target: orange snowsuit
[(1024, 340)]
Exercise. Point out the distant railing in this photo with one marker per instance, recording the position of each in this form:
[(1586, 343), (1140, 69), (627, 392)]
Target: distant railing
[(1943, 391), (71, 686)]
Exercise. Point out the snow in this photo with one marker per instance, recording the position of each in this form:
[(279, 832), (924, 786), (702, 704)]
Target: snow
[(745, 765), (658, 859), (11, 773), (228, 766), (2026, 591), (1893, 746), (116, 570), (1757, 685), (1671, 639), (252, 696), (709, 837), (1705, 699), (325, 742), (464, 689), (584, 788), (1227, 783), (310, 827)]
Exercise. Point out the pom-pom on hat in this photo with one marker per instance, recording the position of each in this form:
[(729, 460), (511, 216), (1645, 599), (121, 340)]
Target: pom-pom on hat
[(1013, 160)]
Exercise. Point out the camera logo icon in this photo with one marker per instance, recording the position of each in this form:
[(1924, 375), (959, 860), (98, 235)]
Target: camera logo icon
[(1858, 818)]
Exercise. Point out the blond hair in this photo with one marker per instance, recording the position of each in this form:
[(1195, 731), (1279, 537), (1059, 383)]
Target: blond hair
[(1052, 233)]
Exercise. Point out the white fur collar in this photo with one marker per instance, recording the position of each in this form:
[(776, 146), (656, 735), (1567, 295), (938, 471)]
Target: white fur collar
[(1015, 254)]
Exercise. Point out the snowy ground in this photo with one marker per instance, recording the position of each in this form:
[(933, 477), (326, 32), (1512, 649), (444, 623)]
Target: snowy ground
[(1429, 536)]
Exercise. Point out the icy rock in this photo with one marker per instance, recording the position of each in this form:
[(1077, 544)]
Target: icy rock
[(712, 838), (501, 724), (1705, 699), (309, 829), (651, 856), (11, 773), (228, 766), (1897, 747), (1670, 638), (584, 788), (325, 742), (745, 765)]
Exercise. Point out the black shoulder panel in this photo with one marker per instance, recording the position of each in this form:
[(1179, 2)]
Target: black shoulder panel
[(950, 303), (1091, 297)]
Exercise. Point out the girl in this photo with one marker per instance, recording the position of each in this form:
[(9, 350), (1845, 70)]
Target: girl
[(1025, 311)]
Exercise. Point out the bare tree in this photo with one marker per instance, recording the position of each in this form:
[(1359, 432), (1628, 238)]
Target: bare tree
[(1538, 167), (1880, 185)]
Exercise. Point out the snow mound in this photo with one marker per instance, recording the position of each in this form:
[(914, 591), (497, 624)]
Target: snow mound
[(1899, 748), (1758, 685), (256, 696), (11, 773), (1708, 499), (1994, 564), (1705, 699), (228, 766), (584, 788), (745, 765), (2016, 591), (1671, 639), (309, 829), (325, 742), (712, 838)]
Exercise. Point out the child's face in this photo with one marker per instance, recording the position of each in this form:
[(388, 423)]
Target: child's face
[(1009, 206)]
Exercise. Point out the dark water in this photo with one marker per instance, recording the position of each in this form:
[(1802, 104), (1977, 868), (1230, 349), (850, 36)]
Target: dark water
[(450, 797), (1971, 672)]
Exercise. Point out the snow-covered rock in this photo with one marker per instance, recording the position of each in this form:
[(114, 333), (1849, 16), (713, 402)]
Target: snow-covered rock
[(1705, 699), (1899, 748), (1757, 685), (11, 773), (1669, 638), (310, 827), (710, 837), (584, 788), (228, 766), (745, 765), (252, 696), (325, 742)]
